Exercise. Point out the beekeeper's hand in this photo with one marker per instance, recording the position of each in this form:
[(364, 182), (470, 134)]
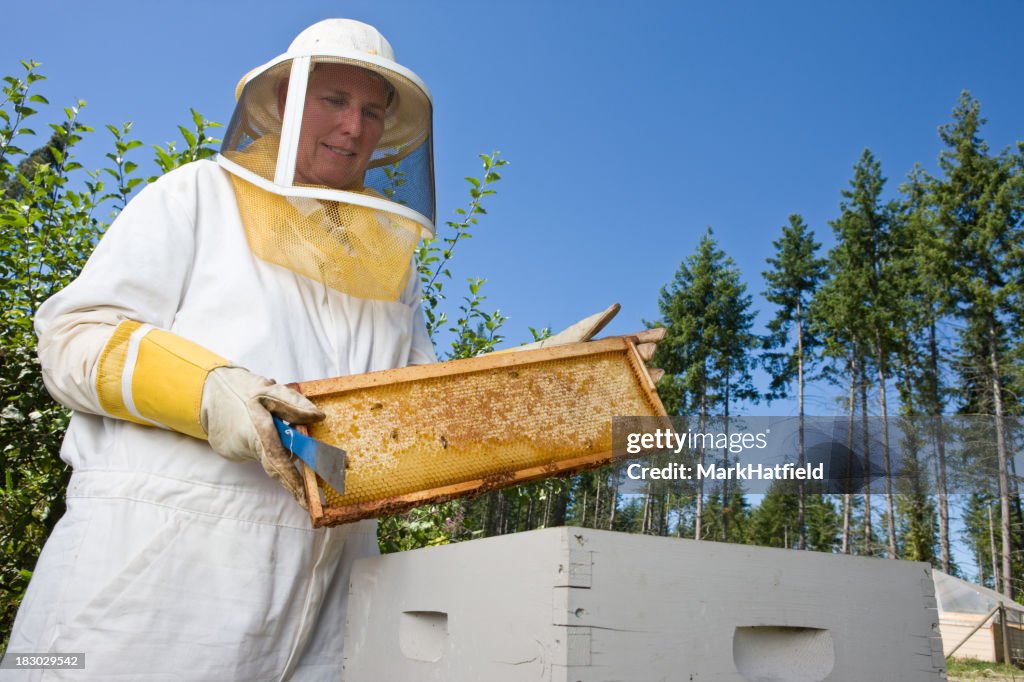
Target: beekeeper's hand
[(584, 330), (236, 413)]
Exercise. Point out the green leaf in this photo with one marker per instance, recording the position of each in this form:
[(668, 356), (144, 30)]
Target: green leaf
[(190, 139)]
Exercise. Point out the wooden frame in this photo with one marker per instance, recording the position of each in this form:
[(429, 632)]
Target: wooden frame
[(634, 349)]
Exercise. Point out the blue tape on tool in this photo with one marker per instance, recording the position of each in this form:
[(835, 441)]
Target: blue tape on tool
[(326, 460)]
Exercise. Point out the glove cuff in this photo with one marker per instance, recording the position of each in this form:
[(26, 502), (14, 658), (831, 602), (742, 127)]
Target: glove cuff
[(151, 376)]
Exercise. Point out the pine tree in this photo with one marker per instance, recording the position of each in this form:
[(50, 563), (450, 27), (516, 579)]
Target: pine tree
[(730, 522), (706, 353), (734, 363), (843, 309), (834, 316), (981, 537), (50, 154), (865, 252), (980, 208), (791, 283), (774, 522), (923, 358), (916, 511)]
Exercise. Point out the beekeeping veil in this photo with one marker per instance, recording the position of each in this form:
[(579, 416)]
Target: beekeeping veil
[(285, 148)]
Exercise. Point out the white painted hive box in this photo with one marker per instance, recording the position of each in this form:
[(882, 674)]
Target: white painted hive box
[(574, 604)]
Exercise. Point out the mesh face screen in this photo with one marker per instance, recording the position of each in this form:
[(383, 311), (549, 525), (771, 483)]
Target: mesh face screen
[(357, 250), (401, 166), (421, 435), (408, 181)]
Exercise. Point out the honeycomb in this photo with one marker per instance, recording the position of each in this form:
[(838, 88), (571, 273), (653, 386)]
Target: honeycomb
[(413, 436)]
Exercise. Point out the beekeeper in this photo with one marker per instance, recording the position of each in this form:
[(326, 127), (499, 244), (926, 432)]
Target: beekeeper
[(185, 552)]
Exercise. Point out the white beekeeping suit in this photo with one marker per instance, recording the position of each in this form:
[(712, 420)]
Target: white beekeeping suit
[(289, 257)]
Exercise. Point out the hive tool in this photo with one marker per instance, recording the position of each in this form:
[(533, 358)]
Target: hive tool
[(326, 460)]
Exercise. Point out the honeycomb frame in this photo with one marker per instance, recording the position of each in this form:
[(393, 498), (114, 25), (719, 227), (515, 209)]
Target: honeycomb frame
[(506, 418)]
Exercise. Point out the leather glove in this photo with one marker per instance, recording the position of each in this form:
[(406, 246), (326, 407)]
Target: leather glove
[(236, 413), (584, 330)]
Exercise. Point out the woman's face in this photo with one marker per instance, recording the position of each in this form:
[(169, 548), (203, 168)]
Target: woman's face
[(342, 122)]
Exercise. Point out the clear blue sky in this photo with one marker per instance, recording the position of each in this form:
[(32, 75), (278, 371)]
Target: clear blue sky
[(629, 128)]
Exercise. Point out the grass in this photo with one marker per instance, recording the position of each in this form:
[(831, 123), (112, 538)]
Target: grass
[(973, 669)]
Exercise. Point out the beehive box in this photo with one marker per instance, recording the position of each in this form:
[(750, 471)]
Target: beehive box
[(583, 605), (434, 432)]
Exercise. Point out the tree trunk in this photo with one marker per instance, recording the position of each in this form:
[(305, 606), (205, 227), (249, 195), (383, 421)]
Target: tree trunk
[(992, 548), (613, 502), (868, 540), (490, 515), (560, 504), (725, 461), (1015, 495), (801, 542), (500, 520), (848, 496), (1004, 477), (699, 521), (890, 512), (935, 409), (647, 510)]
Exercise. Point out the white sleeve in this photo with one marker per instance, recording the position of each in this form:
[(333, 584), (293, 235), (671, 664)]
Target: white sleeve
[(138, 272)]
